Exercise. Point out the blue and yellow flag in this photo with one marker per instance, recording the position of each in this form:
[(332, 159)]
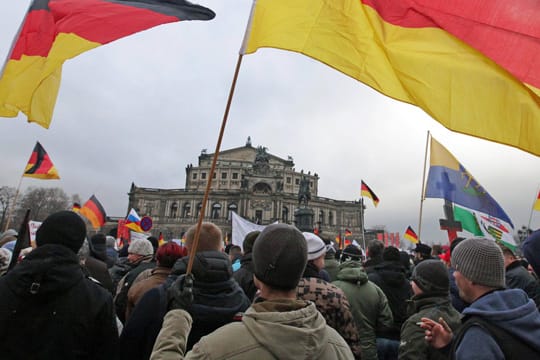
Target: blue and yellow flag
[(449, 180)]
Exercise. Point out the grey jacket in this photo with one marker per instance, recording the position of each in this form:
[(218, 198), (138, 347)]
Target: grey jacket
[(280, 329)]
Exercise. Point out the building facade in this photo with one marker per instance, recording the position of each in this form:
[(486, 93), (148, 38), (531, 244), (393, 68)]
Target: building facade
[(258, 186)]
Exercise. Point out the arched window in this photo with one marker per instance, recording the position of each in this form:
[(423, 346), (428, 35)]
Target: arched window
[(199, 207), (285, 214), (331, 218), (230, 209), (216, 211), (186, 212), (174, 209), (321, 217)]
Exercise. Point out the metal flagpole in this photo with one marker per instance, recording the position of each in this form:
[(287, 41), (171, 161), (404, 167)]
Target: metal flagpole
[(362, 221), (423, 188)]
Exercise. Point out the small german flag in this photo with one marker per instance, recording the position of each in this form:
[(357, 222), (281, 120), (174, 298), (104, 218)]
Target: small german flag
[(348, 232), (367, 192), (76, 207), (161, 240), (411, 235), (94, 212), (40, 165)]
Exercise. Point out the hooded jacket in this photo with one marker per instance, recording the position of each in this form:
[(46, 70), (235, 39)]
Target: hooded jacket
[(50, 310), (279, 329), (217, 298), (390, 276), (244, 276), (368, 305), (413, 345), (332, 303), (510, 310)]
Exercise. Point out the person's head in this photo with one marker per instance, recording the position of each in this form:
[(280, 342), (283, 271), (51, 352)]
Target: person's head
[(5, 259), (478, 267), (351, 253), (62, 228), (7, 236), (531, 250), (508, 255), (422, 251), (279, 259), (98, 247), (210, 238), (375, 249), (139, 249), (235, 252), (110, 241), (430, 278), (154, 241), (249, 241), (316, 249), (391, 253), (168, 253)]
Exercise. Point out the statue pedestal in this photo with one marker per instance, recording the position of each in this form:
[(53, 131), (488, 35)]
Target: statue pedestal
[(303, 219)]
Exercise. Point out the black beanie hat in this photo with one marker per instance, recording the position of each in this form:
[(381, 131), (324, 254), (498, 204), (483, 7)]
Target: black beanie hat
[(431, 276), (280, 256), (249, 240), (62, 228)]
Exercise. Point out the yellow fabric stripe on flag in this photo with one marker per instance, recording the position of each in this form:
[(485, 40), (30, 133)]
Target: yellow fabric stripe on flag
[(31, 84), (457, 85)]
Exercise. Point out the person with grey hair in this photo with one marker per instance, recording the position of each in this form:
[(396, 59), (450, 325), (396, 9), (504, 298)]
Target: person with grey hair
[(499, 323)]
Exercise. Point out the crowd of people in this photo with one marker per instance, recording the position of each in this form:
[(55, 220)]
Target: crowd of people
[(283, 294)]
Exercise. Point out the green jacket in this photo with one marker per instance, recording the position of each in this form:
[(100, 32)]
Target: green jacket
[(280, 329), (369, 305), (413, 344), (331, 265)]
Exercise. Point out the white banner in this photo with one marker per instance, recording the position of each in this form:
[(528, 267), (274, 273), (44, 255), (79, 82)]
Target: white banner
[(33, 226), (241, 227)]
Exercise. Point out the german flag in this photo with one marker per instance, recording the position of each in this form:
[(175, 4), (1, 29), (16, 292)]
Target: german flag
[(348, 232), (40, 165), (367, 192), (76, 207), (57, 30), (470, 64), (161, 240), (411, 235), (94, 212)]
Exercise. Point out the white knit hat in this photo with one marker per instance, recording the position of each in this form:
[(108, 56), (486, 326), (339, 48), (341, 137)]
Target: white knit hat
[(141, 247), (316, 247)]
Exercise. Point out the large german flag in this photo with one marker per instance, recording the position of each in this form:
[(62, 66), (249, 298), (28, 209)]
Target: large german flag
[(57, 30), (473, 65), (94, 212), (40, 165)]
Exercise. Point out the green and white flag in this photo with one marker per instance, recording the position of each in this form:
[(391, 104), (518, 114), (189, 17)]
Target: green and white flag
[(481, 224)]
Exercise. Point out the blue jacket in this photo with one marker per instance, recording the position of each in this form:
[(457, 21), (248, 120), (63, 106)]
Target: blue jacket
[(511, 310)]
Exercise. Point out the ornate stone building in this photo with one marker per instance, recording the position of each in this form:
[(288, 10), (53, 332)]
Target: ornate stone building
[(258, 186)]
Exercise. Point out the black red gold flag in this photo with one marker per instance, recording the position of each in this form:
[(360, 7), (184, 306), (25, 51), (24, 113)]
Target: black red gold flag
[(94, 212), (40, 165), (56, 30)]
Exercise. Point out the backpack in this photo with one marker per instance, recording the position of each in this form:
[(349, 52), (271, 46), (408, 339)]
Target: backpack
[(511, 347), (121, 299)]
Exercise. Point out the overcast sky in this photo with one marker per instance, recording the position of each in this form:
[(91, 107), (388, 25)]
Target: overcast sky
[(141, 108)]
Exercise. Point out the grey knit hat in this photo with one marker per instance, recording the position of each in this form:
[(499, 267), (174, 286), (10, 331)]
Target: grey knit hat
[(280, 256), (481, 261), (141, 247), (432, 277)]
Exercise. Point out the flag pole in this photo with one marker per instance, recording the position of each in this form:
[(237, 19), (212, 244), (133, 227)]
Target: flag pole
[(8, 220), (213, 167), (532, 208), (423, 189), (362, 221)]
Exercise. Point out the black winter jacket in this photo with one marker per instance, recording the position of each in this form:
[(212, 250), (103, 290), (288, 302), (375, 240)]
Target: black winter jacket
[(50, 310)]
